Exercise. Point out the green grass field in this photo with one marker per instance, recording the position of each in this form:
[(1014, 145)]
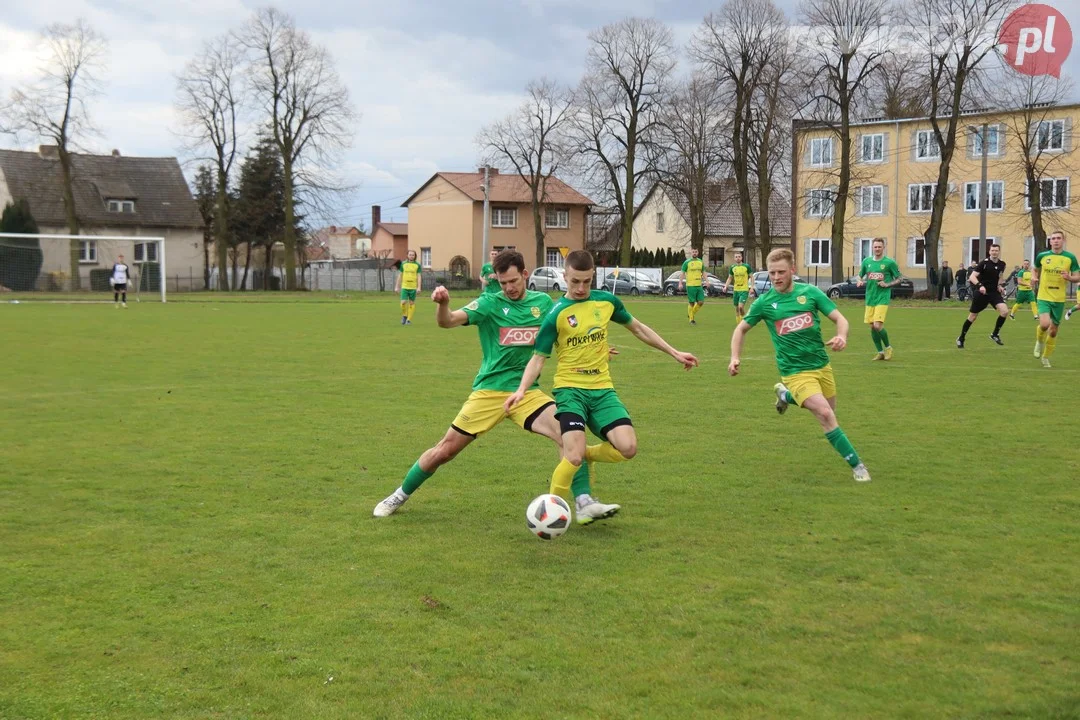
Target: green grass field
[(186, 532)]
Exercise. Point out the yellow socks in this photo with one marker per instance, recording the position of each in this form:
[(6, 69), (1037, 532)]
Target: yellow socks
[(1012, 310), (690, 311), (1051, 343), (605, 453), (1040, 335), (404, 309), (562, 477), (1035, 309), (410, 311)]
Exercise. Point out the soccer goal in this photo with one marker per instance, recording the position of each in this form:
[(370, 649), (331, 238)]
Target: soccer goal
[(80, 267)]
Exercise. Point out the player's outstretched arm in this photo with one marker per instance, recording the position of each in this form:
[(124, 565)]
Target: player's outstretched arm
[(839, 341), (647, 335), (532, 372), (443, 315), (737, 339)]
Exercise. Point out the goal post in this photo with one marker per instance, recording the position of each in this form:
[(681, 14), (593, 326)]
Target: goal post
[(45, 265)]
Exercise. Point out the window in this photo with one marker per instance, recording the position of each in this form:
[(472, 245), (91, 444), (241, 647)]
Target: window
[(425, 257), (921, 197), (558, 219), (821, 152), (993, 141), (146, 252), (716, 256), (659, 222), (863, 249), (503, 217), (121, 206), (1053, 194), (870, 200), (1050, 135), (554, 258), (977, 251), (918, 252), (873, 148), (88, 251), (926, 145), (819, 203), (818, 251), (995, 192)]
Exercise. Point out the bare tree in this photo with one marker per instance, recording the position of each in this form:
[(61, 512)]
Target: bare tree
[(690, 148), (209, 97), (628, 70), (307, 111), (53, 107), (900, 89), (532, 141), (737, 43), (953, 38), (847, 46)]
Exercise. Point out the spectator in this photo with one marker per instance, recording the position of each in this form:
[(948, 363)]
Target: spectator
[(946, 280), (961, 283)]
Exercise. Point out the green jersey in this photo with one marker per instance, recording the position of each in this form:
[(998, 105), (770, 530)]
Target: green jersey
[(794, 326), (507, 333), (874, 270), (492, 285)]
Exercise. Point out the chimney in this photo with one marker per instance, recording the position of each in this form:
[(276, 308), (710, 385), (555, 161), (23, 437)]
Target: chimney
[(376, 217), (49, 152), (491, 171), (115, 153)]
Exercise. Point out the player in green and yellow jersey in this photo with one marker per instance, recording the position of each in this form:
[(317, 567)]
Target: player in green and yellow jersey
[(1024, 293), (791, 312), (880, 274), (507, 323), (1054, 269), (488, 279), (739, 276), (409, 282), (693, 277), (576, 329)]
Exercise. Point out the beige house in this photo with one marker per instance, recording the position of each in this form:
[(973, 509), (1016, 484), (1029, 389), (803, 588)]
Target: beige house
[(662, 221), (339, 243), (446, 220), (114, 196)]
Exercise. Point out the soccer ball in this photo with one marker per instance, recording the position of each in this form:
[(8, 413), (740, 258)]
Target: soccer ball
[(548, 516)]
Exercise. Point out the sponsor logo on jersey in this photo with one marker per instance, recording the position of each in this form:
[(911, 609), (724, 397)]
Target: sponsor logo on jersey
[(875, 276), (473, 305), (515, 336), (506, 311), (587, 371), (801, 299), (572, 321), (795, 323), (595, 335), (535, 311)]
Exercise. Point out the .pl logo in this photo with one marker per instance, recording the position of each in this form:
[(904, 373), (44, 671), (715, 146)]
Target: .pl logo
[(795, 323), (1036, 40), (516, 336)]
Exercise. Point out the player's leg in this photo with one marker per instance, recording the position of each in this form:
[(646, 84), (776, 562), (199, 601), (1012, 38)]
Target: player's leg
[(1069, 312), (689, 307), (868, 319), (116, 295), (978, 304), (815, 390), (123, 295), (1042, 330), (1057, 310), (1003, 313), (880, 312), (404, 305)]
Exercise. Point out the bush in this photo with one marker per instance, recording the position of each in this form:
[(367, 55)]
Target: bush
[(925, 295)]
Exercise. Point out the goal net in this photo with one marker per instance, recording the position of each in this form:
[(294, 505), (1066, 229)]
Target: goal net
[(80, 267)]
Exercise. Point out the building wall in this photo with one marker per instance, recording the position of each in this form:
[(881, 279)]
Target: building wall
[(183, 251), (382, 241), (676, 232), (900, 168)]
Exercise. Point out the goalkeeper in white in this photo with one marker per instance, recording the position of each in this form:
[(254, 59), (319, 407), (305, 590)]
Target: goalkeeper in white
[(120, 274)]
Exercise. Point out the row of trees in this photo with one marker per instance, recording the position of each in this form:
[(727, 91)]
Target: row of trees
[(634, 119)]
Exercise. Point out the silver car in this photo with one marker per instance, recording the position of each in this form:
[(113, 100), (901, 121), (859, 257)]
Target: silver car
[(547, 279)]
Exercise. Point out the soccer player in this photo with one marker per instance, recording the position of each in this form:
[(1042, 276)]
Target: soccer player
[(986, 290), (739, 274), (880, 274), (577, 330), (693, 277), (791, 310), (409, 282), (488, 279), (507, 323), (1024, 293), (119, 279), (1054, 269)]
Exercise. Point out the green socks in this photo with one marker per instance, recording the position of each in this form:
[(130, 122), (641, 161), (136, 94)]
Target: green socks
[(414, 479), (580, 484), (789, 398), (885, 337), (877, 339), (842, 445)]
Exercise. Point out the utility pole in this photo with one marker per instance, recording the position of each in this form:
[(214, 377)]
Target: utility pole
[(487, 210)]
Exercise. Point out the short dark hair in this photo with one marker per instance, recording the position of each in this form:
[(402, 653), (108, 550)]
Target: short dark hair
[(580, 260), (995, 245), (508, 259)]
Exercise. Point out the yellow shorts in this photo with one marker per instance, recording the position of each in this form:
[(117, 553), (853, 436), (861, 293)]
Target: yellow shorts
[(811, 382), (484, 410), (875, 313)]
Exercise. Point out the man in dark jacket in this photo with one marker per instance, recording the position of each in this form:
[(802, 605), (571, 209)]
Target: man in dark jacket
[(961, 282), (945, 278)]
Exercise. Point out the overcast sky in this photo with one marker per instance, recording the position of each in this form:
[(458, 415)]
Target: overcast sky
[(425, 74)]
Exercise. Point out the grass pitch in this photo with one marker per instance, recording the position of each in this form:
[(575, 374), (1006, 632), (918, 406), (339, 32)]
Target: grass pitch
[(186, 531)]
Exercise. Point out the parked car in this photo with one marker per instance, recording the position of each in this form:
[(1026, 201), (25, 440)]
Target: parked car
[(714, 286), (762, 284), (631, 282), (547, 279), (850, 289)]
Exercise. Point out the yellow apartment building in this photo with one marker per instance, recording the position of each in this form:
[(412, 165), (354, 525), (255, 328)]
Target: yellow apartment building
[(894, 170)]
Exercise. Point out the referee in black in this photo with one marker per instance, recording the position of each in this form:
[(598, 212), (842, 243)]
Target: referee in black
[(986, 290)]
